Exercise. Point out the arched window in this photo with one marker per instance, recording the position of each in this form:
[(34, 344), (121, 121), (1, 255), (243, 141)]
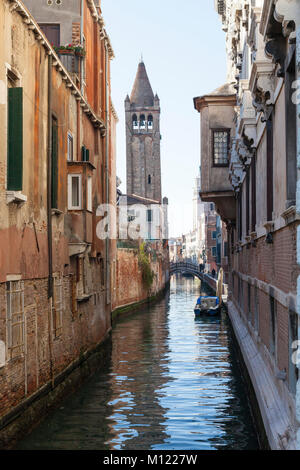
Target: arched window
[(142, 122), (135, 123), (149, 179), (150, 122)]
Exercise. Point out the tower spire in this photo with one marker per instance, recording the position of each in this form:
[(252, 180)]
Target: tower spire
[(142, 94)]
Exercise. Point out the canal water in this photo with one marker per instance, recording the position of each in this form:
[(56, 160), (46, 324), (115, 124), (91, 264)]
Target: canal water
[(172, 382)]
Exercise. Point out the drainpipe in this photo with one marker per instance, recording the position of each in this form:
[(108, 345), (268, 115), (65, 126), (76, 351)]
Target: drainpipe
[(81, 42), (298, 213), (49, 180), (49, 215), (107, 241)]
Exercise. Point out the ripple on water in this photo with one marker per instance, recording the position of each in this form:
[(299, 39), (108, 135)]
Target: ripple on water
[(172, 382)]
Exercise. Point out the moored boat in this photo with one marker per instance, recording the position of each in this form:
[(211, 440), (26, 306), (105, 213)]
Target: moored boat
[(207, 305)]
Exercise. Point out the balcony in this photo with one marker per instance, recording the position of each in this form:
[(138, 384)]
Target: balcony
[(217, 112)]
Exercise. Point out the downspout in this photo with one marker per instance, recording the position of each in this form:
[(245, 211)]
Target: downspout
[(49, 215), (298, 213), (81, 42), (107, 241)]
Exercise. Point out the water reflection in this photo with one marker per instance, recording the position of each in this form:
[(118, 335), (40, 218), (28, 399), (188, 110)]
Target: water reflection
[(172, 382)]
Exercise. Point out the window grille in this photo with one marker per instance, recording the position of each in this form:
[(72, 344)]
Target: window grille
[(15, 317), (221, 147)]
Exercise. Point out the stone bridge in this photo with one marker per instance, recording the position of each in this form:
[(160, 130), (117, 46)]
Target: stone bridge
[(189, 268), (186, 268)]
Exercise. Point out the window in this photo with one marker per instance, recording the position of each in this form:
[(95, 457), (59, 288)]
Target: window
[(149, 179), (89, 188), (214, 251), (253, 193), (293, 352), (214, 235), (70, 147), (54, 157), (52, 32), (74, 192), (269, 185), (240, 214), (220, 147), (256, 308), (225, 249), (249, 302), (15, 317), (241, 293), (247, 203), (57, 306), (142, 122), (149, 215), (135, 123), (15, 139), (291, 130), (212, 207), (150, 122), (273, 326)]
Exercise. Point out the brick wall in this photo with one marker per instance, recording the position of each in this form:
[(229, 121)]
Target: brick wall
[(129, 282), (44, 355), (273, 271)]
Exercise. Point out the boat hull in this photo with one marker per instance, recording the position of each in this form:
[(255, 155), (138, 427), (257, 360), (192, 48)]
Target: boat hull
[(210, 312)]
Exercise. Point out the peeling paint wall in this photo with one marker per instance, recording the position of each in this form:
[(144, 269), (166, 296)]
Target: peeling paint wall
[(55, 329)]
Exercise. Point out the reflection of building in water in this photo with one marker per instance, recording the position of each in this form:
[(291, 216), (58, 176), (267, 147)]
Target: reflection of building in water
[(140, 366)]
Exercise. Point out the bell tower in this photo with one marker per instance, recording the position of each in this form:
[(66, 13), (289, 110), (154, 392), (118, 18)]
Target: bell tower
[(142, 112)]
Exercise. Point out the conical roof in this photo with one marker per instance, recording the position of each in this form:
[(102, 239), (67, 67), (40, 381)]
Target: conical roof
[(142, 94)]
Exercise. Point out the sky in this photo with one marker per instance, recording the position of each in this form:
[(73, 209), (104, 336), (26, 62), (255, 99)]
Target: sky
[(183, 48)]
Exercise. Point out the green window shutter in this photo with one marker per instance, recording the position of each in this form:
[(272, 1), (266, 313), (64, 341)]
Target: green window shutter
[(54, 185), (15, 140), (83, 153)]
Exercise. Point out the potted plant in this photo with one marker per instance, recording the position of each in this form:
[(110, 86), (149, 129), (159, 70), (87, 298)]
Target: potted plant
[(67, 49), (72, 49)]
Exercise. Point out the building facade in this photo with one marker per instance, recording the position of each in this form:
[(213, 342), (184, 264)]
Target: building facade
[(57, 166), (249, 170)]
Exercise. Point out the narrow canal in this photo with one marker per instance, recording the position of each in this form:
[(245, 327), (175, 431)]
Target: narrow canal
[(172, 382)]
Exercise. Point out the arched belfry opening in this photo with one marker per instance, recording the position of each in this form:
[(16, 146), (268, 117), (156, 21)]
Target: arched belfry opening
[(135, 122), (150, 122)]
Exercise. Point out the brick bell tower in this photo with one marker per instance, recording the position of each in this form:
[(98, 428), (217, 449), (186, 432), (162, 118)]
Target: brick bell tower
[(142, 112)]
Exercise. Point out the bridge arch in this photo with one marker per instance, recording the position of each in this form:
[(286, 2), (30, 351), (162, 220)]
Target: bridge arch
[(186, 268)]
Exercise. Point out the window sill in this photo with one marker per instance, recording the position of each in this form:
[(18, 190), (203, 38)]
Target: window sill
[(15, 197)]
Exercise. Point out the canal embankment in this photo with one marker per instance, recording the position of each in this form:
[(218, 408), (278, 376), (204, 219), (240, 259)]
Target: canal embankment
[(276, 410), (273, 412)]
